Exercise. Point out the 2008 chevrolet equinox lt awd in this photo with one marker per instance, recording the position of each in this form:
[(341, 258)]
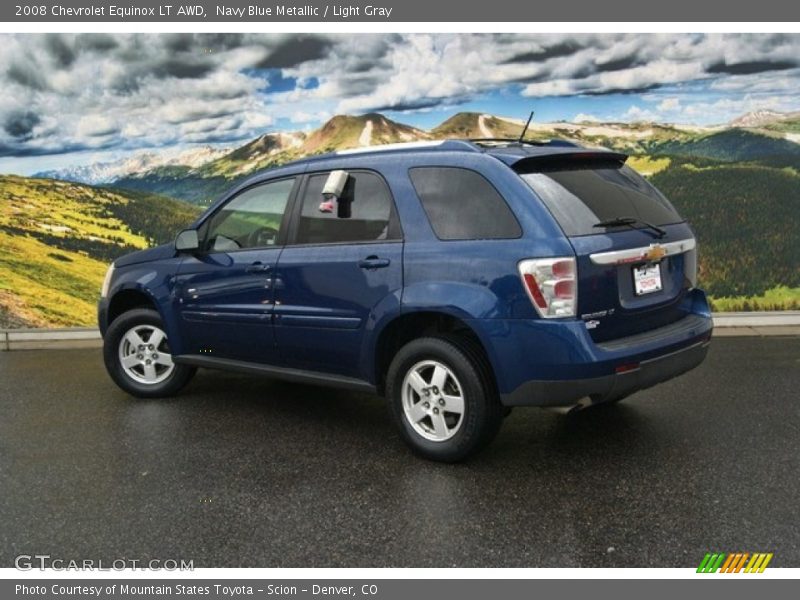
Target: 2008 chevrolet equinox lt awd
[(456, 278)]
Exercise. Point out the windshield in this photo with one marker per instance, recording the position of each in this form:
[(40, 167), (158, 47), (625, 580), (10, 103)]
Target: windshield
[(579, 196)]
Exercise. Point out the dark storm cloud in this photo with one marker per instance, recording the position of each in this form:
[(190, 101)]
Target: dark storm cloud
[(125, 83), (295, 51), (61, 52), (555, 51), (619, 64), (28, 75), (179, 42), (623, 91), (356, 86), (19, 125), (66, 148), (103, 131), (410, 106), (220, 41), (226, 93), (362, 66), (752, 67), (95, 42), (190, 68), (198, 113)]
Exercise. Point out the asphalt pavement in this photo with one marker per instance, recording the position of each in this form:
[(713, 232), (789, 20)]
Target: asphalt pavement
[(245, 471)]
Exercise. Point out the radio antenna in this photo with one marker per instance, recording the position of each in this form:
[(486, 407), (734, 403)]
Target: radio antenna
[(525, 129)]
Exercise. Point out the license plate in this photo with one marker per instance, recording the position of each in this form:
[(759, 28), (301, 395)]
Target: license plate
[(647, 279)]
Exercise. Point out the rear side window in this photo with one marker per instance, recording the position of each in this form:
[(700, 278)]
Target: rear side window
[(580, 195), (462, 205), (372, 216)]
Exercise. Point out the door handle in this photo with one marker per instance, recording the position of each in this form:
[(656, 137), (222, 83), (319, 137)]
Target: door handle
[(258, 267), (373, 262)]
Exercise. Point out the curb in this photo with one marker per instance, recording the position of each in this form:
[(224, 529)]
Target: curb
[(739, 324), (787, 318), (50, 339)]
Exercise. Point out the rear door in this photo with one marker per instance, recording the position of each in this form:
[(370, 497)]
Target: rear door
[(335, 273), (631, 278)]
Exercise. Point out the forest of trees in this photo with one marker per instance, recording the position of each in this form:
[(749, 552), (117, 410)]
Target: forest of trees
[(745, 217)]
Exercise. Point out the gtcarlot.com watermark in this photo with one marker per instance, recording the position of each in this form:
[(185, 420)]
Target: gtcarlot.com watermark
[(43, 562)]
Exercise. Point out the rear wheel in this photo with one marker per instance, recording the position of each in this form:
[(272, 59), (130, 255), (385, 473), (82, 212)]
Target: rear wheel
[(137, 355), (442, 398)]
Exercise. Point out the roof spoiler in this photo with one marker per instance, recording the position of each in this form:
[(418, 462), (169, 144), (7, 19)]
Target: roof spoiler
[(568, 158)]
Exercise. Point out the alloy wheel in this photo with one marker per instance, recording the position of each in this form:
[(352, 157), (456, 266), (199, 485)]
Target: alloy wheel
[(433, 400)]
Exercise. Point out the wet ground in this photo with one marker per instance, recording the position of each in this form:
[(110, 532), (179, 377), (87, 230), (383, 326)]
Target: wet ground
[(242, 471)]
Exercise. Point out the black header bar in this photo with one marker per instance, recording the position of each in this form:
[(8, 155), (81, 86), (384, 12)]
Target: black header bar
[(493, 11)]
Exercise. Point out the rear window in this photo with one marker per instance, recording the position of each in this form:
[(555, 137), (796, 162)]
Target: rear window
[(462, 205), (581, 195)]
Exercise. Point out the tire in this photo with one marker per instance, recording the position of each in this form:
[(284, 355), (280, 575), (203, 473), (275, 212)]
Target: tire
[(431, 430), (126, 352)]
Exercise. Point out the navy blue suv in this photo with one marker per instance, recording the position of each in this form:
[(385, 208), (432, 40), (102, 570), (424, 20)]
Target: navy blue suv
[(456, 278)]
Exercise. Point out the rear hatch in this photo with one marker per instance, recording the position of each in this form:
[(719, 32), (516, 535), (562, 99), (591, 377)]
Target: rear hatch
[(636, 256)]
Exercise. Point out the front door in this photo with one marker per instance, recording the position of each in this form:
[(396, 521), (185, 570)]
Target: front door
[(335, 274), (225, 291)]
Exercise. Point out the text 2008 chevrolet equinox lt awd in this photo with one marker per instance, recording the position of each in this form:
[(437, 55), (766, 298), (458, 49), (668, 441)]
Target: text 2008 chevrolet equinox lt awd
[(456, 278)]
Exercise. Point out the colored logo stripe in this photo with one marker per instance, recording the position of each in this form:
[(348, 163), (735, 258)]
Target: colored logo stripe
[(729, 562), (734, 562), (758, 563), (711, 562)]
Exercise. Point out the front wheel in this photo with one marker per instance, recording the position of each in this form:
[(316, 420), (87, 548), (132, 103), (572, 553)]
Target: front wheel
[(138, 357), (442, 398)]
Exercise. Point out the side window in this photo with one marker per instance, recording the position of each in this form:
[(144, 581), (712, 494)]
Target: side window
[(462, 205), (251, 220), (371, 212)]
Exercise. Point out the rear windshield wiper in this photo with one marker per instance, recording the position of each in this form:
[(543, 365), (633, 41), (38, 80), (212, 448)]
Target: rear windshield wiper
[(630, 222)]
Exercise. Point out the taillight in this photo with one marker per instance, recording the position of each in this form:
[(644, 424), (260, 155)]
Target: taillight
[(690, 267), (552, 285)]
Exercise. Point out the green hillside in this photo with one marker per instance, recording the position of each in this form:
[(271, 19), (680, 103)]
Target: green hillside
[(745, 217), (785, 126), (57, 238), (179, 182), (467, 125), (730, 145)]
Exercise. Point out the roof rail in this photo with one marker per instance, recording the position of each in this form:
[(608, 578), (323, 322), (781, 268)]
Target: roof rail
[(439, 144)]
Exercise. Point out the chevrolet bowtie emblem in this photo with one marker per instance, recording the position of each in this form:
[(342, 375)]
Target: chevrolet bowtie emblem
[(655, 252)]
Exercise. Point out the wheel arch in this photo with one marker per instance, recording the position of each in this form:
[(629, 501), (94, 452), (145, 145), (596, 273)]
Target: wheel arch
[(410, 325), (127, 299)]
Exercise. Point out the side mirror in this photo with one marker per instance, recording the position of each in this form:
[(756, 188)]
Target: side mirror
[(187, 241)]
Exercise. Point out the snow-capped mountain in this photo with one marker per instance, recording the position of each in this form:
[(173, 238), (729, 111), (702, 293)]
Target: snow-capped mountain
[(108, 172), (758, 118)]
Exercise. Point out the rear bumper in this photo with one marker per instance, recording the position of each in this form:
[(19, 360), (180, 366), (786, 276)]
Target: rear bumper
[(608, 387), (544, 362)]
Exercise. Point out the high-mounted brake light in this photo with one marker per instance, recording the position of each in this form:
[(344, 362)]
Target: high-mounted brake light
[(552, 285)]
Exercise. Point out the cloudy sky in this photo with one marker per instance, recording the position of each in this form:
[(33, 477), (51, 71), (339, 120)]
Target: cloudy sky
[(71, 99)]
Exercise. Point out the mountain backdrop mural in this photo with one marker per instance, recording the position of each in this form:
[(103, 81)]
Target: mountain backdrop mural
[(719, 136)]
